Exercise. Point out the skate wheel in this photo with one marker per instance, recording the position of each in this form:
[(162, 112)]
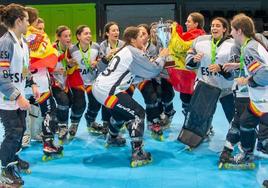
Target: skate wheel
[(133, 164), (61, 142), (226, 166), (189, 149), (61, 154), (252, 166), (157, 137), (220, 165), (46, 158)]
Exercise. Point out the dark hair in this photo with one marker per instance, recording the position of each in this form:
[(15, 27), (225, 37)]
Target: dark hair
[(11, 13), (61, 29), (106, 28), (198, 18), (80, 29), (33, 14), (225, 24), (130, 33), (145, 26)]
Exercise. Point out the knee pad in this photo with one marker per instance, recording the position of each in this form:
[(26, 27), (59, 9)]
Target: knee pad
[(233, 135), (51, 123), (136, 127), (140, 113)]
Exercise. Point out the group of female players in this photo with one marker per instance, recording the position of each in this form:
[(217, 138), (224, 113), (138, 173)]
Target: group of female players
[(66, 76)]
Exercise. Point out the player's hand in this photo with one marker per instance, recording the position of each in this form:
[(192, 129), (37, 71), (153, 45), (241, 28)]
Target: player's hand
[(72, 62), (23, 103), (242, 81), (214, 68), (164, 52), (198, 57), (227, 67)]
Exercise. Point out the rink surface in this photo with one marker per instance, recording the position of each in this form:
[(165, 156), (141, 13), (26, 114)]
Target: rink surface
[(87, 163)]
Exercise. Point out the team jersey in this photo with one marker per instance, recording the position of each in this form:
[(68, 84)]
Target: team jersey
[(202, 44), (242, 91), (151, 50), (105, 47), (84, 60), (239, 91), (127, 65), (14, 57), (256, 66), (59, 78)]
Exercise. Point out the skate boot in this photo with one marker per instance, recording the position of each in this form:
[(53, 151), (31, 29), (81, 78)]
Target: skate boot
[(117, 141), (72, 130), (139, 156), (10, 178), (26, 139), (156, 131), (225, 158), (209, 134), (242, 161), (51, 151), (105, 128), (265, 184), (23, 166), (63, 132), (262, 148), (95, 128), (166, 119)]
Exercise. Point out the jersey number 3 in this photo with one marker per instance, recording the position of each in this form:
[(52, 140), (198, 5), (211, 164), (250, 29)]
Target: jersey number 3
[(112, 66)]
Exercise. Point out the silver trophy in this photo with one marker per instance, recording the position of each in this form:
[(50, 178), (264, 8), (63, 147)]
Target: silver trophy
[(163, 33)]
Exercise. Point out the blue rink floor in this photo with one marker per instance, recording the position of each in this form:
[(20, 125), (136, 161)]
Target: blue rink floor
[(87, 163)]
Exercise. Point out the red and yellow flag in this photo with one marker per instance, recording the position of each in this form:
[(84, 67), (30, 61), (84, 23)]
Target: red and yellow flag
[(42, 53), (182, 80)]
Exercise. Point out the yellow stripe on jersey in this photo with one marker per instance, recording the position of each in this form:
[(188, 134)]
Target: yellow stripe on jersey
[(255, 110), (4, 64), (142, 85), (254, 66), (44, 97), (88, 89), (111, 101)]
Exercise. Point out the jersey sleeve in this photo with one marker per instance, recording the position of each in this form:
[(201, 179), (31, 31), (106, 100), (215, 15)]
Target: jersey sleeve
[(257, 67), (6, 85)]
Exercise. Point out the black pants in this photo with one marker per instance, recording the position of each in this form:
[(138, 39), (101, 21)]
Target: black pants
[(249, 122), (78, 104), (93, 108), (233, 135), (227, 103), (49, 113), (14, 125), (149, 93), (64, 102), (167, 95), (128, 110), (105, 112)]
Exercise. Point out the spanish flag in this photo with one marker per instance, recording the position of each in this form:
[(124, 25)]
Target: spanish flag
[(182, 80), (42, 53)]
